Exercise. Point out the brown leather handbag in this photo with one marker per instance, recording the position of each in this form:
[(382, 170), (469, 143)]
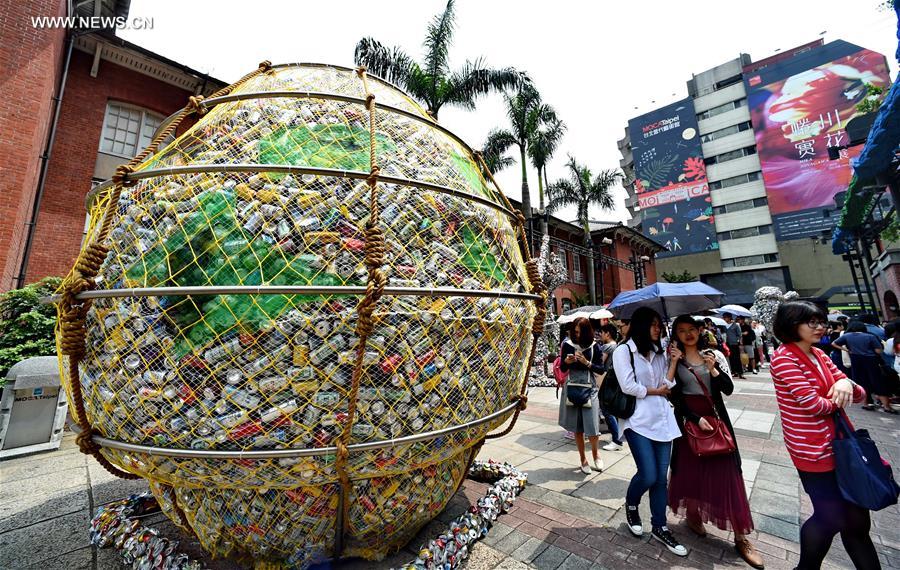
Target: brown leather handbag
[(717, 441)]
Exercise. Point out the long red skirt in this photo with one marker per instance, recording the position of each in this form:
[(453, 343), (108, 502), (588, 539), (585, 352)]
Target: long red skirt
[(709, 488)]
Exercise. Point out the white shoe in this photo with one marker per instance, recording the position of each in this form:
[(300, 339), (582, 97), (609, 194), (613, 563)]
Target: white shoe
[(585, 469), (598, 465), (612, 446)]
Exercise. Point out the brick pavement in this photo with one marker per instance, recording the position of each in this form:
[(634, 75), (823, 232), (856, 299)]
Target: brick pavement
[(562, 520)]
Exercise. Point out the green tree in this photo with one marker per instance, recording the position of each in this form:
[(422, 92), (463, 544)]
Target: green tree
[(874, 97), (583, 189), (683, 277), (543, 144), (26, 324), (526, 113), (431, 82)]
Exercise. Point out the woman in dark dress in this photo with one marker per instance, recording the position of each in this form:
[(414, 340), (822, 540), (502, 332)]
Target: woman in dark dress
[(710, 488)]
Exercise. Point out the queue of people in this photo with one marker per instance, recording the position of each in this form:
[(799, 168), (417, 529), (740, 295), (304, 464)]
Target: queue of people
[(680, 435)]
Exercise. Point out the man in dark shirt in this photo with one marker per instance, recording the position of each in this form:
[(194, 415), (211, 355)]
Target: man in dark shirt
[(748, 338), (733, 340)]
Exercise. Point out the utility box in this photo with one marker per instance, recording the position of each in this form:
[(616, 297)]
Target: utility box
[(33, 408)]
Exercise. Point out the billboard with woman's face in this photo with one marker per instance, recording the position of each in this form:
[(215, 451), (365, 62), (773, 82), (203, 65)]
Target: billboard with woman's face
[(799, 107)]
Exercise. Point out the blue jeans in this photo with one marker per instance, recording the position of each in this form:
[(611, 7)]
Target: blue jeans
[(652, 461), (613, 426)]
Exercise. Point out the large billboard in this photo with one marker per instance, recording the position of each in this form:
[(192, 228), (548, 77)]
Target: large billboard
[(799, 107), (671, 184)]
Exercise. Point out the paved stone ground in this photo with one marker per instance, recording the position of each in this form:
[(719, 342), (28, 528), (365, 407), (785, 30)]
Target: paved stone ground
[(563, 519)]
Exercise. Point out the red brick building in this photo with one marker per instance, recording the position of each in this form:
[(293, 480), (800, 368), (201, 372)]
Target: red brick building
[(623, 261), (111, 95)]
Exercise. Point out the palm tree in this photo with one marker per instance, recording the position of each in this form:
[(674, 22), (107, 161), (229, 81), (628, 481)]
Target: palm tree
[(541, 147), (526, 113), (494, 154), (432, 83), (582, 189)]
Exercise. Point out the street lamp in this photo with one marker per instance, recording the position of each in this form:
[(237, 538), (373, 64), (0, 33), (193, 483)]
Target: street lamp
[(604, 241)]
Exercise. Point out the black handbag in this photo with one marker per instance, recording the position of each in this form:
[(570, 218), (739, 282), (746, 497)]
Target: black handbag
[(612, 399), (863, 477), (579, 394)]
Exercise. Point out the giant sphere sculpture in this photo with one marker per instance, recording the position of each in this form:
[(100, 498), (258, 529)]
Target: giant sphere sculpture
[(299, 319)]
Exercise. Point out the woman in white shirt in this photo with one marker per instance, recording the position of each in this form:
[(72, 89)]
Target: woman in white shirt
[(641, 368)]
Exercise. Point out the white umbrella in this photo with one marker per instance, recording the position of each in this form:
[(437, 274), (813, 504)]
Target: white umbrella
[(715, 320), (833, 317), (601, 314), (736, 310), (586, 312)]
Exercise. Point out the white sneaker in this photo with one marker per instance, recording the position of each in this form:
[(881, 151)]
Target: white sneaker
[(665, 536), (598, 465), (585, 469), (612, 446)]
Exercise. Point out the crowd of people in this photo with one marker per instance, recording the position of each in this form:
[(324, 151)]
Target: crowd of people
[(680, 435)]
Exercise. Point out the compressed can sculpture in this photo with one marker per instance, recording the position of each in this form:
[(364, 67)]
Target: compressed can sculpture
[(304, 315)]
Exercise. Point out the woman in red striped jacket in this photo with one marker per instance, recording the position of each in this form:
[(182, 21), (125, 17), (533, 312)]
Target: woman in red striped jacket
[(810, 389)]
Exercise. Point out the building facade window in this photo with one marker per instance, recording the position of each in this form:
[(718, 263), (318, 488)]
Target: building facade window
[(745, 232), (733, 129), (127, 129), (733, 155), (730, 106), (749, 260), (729, 81), (577, 270), (739, 206), (735, 180)]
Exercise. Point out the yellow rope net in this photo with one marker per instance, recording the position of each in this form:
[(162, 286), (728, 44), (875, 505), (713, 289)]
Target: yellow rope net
[(300, 319)]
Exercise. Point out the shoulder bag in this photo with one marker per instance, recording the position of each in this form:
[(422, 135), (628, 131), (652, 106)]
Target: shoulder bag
[(717, 441), (612, 399), (578, 394), (864, 478)]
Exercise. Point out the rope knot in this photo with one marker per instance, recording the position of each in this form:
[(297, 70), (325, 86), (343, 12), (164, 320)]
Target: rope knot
[(375, 246), (370, 101), (86, 443), (120, 177), (523, 401), (534, 273), (520, 219), (372, 178), (195, 105), (265, 65), (89, 262)]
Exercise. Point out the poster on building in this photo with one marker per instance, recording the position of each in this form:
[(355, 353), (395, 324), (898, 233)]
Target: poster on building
[(799, 107), (671, 184)]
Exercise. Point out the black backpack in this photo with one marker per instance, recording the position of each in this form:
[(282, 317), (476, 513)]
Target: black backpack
[(612, 399)]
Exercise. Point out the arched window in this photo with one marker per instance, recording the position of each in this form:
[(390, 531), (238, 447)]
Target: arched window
[(891, 306), (127, 129)]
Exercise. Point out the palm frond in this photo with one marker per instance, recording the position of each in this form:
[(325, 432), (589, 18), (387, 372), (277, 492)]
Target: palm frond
[(602, 188), (498, 143), (438, 38), (546, 138), (475, 79), (390, 64), (560, 194)]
